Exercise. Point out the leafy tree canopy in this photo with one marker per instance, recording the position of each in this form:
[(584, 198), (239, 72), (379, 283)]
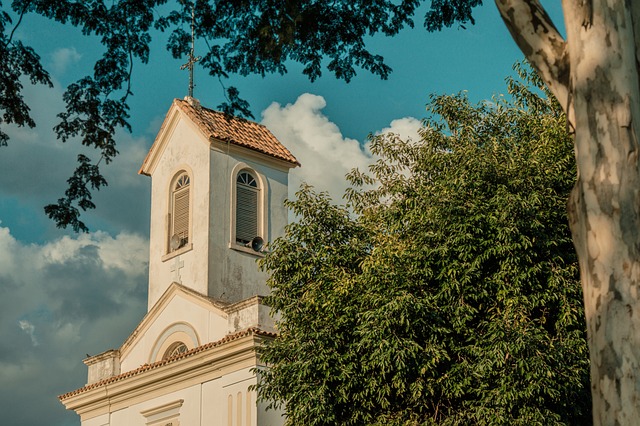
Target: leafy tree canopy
[(242, 36), (451, 296)]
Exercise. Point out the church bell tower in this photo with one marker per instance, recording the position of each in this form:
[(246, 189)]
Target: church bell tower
[(218, 187)]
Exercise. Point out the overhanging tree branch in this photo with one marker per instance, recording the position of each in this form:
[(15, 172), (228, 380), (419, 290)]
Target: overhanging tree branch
[(542, 44), (22, 12)]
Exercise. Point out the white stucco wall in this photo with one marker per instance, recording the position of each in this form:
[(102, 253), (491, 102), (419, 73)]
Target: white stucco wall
[(234, 275), (102, 420), (269, 417), (239, 405), (186, 150)]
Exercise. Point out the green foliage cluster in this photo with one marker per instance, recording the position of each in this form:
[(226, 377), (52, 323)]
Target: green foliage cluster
[(450, 294)]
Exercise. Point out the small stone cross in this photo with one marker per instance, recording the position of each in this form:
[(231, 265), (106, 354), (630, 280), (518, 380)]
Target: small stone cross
[(175, 268)]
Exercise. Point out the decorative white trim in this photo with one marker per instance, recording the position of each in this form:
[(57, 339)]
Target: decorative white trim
[(178, 252), (177, 332), (160, 143), (171, 120), (244, 249), (164, 414)]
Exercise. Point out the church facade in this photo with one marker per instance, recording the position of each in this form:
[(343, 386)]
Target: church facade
[(218, 187)]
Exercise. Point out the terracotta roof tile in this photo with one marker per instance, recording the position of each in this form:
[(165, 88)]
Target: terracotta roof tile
[(237, 131), (153, 366)]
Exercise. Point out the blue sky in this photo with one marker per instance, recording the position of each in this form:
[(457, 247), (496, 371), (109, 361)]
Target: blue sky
[(64, 295)]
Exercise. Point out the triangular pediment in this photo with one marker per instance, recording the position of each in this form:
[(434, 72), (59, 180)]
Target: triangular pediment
[(182, 314), (178, 305)]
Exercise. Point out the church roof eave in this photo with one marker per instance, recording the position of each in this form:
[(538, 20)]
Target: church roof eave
[(254, 334), (217, 126)]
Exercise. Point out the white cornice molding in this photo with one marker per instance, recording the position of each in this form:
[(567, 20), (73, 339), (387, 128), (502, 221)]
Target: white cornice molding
[(181, 373), (243, 304), (161, 408)]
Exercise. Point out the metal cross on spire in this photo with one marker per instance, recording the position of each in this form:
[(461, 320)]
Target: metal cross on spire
[(192, 59)]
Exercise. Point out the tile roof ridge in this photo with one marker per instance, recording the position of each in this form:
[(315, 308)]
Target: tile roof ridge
[(237, 130)]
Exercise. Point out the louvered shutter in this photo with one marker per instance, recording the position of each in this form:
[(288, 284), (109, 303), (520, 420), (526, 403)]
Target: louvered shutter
[(181, 215), (246, 213)]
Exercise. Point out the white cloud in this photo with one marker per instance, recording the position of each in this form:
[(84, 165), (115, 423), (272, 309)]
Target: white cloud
[(60, 300), (62, 58), (406, 128), (325, 153), (69, 332), (110, 250), (155, 124)]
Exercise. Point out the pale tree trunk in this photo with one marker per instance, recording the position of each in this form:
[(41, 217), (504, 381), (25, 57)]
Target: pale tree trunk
[(594, 74)]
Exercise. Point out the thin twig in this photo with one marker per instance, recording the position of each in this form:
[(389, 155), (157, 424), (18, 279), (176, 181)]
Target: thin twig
[(24, 10)]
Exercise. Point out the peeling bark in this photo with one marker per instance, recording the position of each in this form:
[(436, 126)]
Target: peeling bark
[(602, 101)]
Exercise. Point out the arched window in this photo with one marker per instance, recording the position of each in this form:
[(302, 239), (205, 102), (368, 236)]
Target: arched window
[(247, 192), (179, 216), (175, 339), (175, 349)]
